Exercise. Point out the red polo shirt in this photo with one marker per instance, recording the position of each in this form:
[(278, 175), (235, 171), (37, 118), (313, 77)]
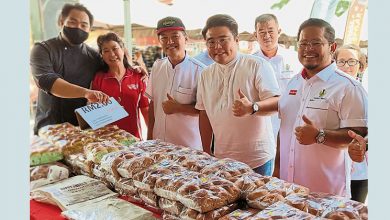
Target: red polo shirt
[(129, 92)]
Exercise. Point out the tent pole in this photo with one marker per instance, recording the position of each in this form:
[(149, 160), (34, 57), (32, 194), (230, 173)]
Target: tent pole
[(127, 29)]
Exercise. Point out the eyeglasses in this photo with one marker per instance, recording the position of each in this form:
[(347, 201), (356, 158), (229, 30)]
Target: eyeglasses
[(173, 38), (351, 62), (221, 41), (312, 44)]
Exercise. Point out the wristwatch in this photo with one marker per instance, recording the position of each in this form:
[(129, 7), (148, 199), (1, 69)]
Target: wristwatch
[(255, 108), (320, 136)]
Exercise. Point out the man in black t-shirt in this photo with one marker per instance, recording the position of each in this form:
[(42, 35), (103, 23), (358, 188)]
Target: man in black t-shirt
[(63, 68)]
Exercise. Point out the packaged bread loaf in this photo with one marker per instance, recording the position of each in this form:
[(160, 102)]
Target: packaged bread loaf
[(112, 133), (42, 152), (49, 131), (335, 207), (227, 168), (281, 210), (125, 186), (96, 150), (240, 214), (150, 198), (79, 164), (48, 173), (249, 182), (285, 188), (167, 186), (207, 193), (171, 206), (127, 168), (146, 179), (74, 144), (190, 214), (198, 162), (262, 198)]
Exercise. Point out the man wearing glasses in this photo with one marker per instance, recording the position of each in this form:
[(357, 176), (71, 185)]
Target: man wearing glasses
[(317, 109), (172, 89), (234, 94)]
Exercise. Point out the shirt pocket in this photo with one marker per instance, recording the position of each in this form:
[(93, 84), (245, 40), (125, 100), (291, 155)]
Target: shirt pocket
[(317, 111), (185, 95)]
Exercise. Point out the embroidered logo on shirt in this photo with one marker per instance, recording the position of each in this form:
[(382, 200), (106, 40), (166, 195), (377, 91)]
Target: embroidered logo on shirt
[(322, 93), (133, 86), (293, 92), (287, 67)]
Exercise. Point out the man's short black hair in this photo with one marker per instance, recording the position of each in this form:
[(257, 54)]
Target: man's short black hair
[(69, 7), (316, 22), (219, 20)]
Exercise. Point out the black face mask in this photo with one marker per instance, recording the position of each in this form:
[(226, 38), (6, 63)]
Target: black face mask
[(75, 35)]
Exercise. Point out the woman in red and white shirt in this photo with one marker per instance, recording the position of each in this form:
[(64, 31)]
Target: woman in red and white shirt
[(119, 80)]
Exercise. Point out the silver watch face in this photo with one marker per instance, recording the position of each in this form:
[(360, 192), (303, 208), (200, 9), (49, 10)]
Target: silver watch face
[(255, 107), (321, 139)]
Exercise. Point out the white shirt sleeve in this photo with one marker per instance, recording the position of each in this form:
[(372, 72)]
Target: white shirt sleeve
[(266, 82), (199, 94), (354, 107), (149, 90)]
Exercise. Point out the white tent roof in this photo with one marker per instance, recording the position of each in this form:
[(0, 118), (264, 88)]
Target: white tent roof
[(194, 13)]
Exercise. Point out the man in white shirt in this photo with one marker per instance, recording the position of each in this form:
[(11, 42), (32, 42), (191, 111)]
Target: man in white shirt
[(233, 95), (317, 109), (172, 89), (284, 62)]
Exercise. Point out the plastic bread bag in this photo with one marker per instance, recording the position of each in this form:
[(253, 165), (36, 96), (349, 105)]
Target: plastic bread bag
[(79, 164), (240, 214), (42, 152), (249, 182), (49, 130), (146, 179), (169, 216), (167, 186), (171, 206), (129, 167), (109, 162), (262, 198), (125, 186), (281, 210), (109, 209), (74, 144), (150, 198), (96, 150), (207, 193), (112, 133), (285, 188), (198, 162), (227, 168), (48, 173), (158, 147), (342, 208), (190, 214)]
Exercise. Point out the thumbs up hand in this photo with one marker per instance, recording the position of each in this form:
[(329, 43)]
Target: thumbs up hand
[(307, 133), (241, 106), (170, 106), (357, 147)]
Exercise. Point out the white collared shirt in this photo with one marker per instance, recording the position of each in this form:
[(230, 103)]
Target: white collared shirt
[(248, 139), (285, 64), (181, 83), (332, 100)]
